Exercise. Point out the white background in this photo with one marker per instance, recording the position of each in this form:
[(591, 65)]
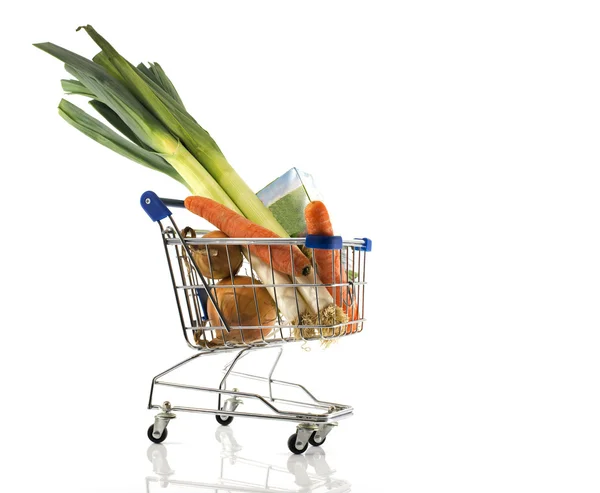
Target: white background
[(462, 137)]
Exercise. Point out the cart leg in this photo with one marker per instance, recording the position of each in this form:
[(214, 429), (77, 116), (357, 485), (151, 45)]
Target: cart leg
[(228, 370), (232, 403), (160, 375)]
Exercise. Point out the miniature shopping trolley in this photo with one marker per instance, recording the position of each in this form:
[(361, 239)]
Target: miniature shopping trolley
[(256, 313)]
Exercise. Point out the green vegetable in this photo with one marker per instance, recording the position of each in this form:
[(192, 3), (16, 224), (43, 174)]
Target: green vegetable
[(147, 129), (156, 130), (109, 138), (71, 86), (142, 103)]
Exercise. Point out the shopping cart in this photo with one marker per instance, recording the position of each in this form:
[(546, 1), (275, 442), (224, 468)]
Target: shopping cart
[(302, 311)]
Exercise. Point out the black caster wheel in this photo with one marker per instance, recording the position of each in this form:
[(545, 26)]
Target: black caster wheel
[(314, 442), (224, 421), (292, 445), (154, 439)]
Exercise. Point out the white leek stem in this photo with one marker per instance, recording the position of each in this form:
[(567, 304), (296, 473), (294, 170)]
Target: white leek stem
[(316, 297), (289, 302)]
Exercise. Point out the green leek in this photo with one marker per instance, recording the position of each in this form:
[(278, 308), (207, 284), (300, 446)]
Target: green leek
[(199, 143), (93, 128), (147, 129)]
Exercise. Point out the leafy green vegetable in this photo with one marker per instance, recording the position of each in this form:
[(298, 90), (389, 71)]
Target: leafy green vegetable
[(91, 127), (144, 100)]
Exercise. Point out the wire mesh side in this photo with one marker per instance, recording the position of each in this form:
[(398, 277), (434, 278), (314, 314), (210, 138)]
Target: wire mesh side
[(245, 301)]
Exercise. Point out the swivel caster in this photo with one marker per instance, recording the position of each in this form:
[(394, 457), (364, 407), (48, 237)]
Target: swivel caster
[(297, 446), (224, 420), (158, 437)]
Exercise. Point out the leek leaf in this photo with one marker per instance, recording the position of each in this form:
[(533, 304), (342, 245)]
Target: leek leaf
[(72, 86), (102, 134), (193, 136), (142, 123), (113, 93), (136, 84), (156, 73), (111, 117)]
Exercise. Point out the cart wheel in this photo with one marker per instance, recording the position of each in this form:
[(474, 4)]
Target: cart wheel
[(292, 445), (314, 442), (160, 439), (224, 421)]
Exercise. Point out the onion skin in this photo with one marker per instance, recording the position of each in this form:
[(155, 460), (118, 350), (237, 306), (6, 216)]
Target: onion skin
[(215, 257), (226, 296)]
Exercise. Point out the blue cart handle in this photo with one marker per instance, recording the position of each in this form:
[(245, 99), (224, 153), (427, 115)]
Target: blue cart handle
[(156, 207), (324, 242)]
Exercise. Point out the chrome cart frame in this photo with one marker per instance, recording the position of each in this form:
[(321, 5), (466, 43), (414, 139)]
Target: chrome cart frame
[(211, 332)]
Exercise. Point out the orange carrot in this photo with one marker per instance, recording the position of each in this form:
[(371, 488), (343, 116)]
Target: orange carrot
[(236, 226), (328, 261), (317, 219)]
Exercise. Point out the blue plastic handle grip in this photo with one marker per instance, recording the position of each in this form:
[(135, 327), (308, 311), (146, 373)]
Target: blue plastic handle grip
[(153, 206), (367, 246), (324, 242)]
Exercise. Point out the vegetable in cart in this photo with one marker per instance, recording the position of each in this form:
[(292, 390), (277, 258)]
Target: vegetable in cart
[(243, 303), (215, 261), (329, 262), (287, 260), (156, 130)]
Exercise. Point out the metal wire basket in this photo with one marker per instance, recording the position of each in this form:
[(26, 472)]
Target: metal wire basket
[(198, 295)]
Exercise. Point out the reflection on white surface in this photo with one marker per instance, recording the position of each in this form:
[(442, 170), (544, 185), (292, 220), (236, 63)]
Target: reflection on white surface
[(301, 473)]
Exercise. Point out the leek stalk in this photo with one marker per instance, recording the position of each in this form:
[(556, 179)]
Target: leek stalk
[(199, 143), (147, 129)]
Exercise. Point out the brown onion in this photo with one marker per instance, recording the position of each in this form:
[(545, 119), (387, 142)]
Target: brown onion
[(213, 261), (244, 312)]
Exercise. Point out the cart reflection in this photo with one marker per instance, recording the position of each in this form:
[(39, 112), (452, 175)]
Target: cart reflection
[(309, 473)]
